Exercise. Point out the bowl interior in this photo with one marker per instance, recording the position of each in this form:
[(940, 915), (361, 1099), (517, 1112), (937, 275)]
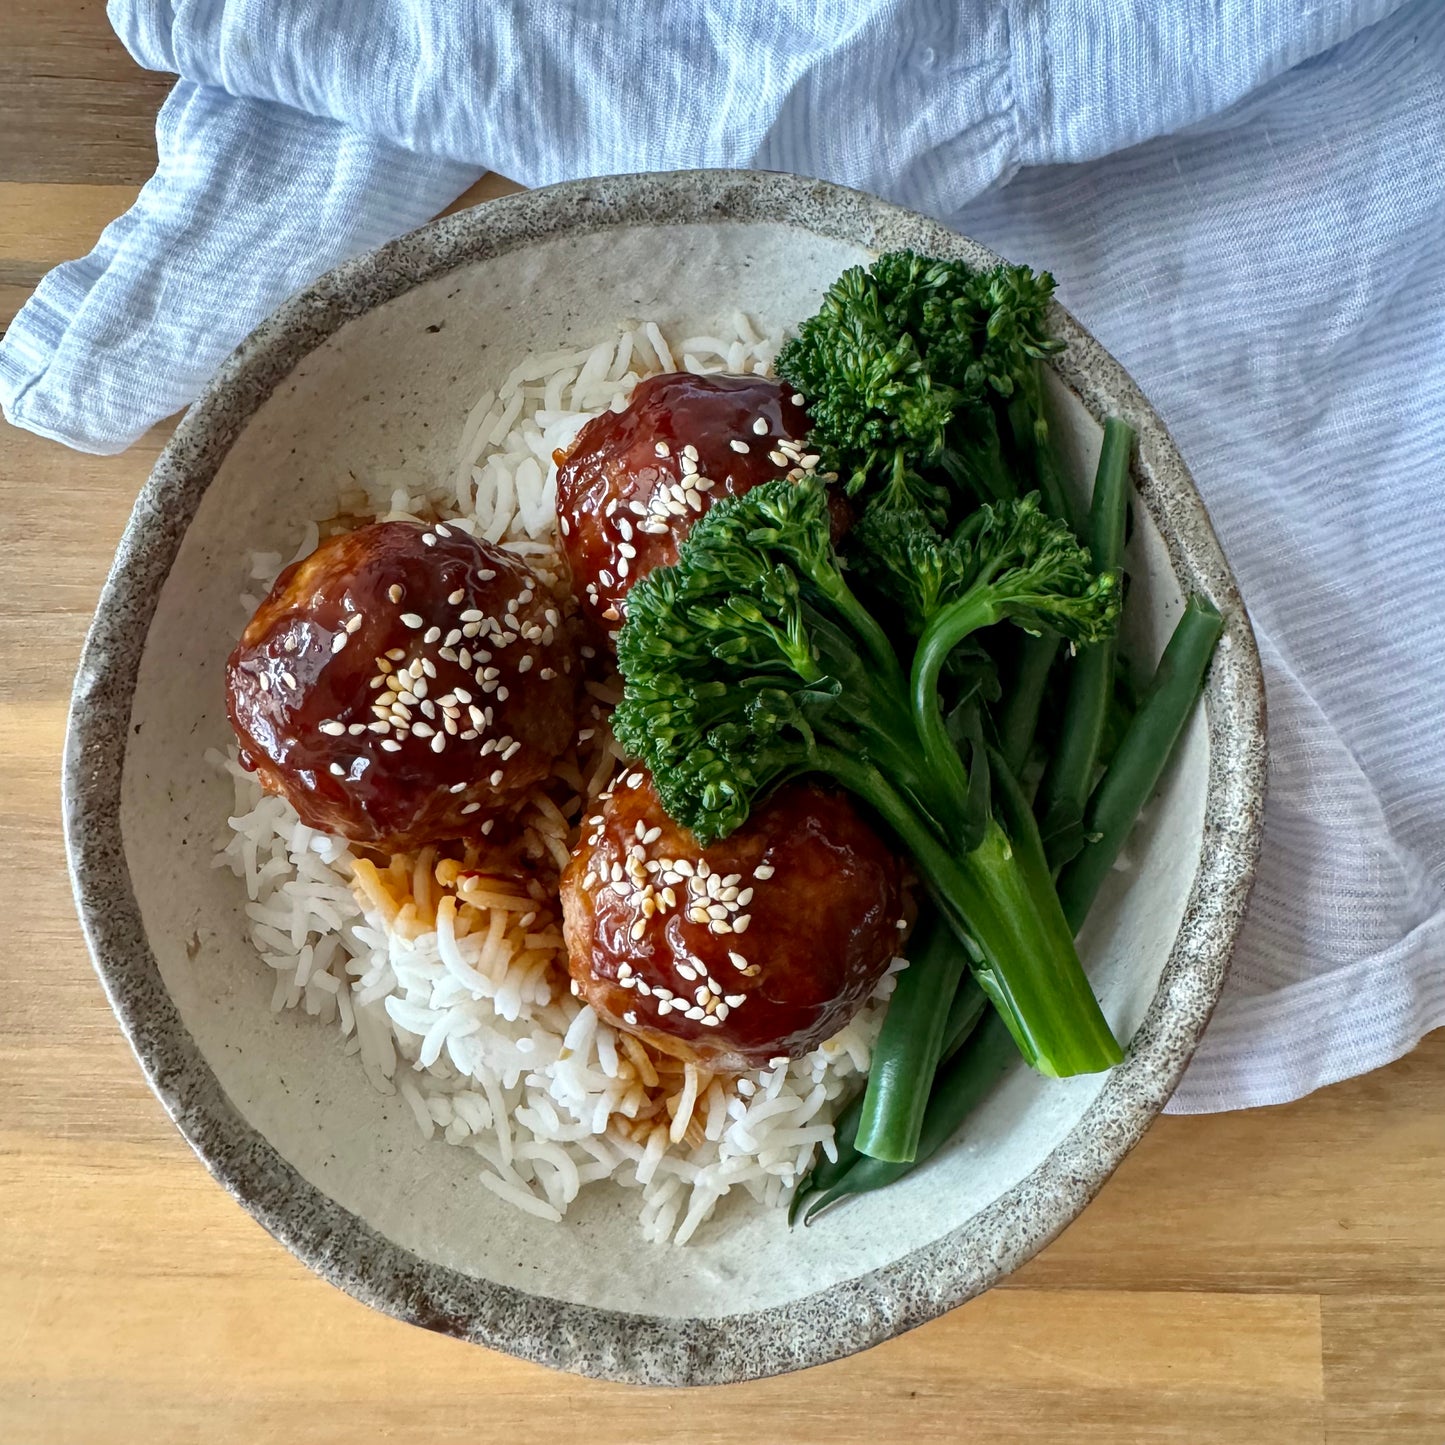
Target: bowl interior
[(387, 393)]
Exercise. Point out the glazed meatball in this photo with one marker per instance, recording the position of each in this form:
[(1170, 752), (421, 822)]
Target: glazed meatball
[(403, 684), (634, 481), (764, 944)]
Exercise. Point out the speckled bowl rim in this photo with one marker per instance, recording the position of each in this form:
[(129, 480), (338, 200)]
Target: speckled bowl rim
[(632, 1347)]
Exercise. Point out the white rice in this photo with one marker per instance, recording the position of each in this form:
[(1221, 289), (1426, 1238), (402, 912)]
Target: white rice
[(489, 1049)]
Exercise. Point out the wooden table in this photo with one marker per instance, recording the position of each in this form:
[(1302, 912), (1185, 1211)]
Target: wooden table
[(1269, 1277)]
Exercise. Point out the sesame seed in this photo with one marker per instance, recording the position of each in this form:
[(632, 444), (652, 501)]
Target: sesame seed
[(777, 459), (441, 531), (745, 897), (471, 808), (740, 923), (525, 664), (438, 742), (664, 1007), (390, 746), (265, 682), (422, 730), (396, 653), (738, 446), (565, 525), (487, 574), (379, 726), (763, 871), (638, 929), (662, 449), (333, 729), (288, 679), (496, 779), (689, 467), (432, 634), (457, 788), (356, 729), (502, 694), (627, 549), (487, 826), (411, 619), (760, 427), (511, 752), (336, 770), (428, 539), (457, 597), (395, 593)]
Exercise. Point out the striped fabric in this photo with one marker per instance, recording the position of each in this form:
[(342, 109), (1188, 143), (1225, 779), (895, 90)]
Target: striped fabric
[(1245, 201)]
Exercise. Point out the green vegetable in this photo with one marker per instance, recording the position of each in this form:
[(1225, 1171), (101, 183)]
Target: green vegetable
[(1069, 779), (1019, 719), (1135, 769), (968, 1007), (910, 1043), (917, 370), (750, 661), (958, 1090)]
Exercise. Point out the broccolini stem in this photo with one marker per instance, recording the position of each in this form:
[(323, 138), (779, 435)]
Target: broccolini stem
[(948, 628), (1030, 429), (1029, 967), (1020, 719), (1146, 748), (1069, 780), (880, 650)]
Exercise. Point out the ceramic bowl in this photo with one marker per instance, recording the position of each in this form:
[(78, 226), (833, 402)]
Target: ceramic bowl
[(372, 367)]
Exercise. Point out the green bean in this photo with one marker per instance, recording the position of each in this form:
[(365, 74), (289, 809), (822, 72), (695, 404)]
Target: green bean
[(1064, 792), (957, 1090), (908, 1047), (964, 1014), (1135, 770)]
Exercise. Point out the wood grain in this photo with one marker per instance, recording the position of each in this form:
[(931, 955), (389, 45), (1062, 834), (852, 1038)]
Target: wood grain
[(1273, 1277)]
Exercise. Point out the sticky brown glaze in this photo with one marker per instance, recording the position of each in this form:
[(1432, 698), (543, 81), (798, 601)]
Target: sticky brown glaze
[(762, 945), (403, 684), (636, 480)]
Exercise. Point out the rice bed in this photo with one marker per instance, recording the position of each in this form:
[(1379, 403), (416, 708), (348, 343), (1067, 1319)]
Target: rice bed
[(451, 989)]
